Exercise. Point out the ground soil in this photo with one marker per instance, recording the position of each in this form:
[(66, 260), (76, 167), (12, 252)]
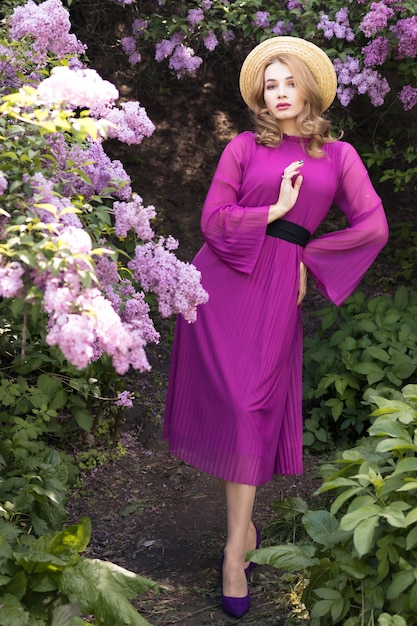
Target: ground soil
[(151, 513)]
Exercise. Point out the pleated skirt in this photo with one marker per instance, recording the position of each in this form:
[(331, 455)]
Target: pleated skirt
[(234, 401)]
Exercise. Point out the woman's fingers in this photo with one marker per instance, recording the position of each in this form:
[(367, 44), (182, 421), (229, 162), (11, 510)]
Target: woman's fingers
[(292, 170)]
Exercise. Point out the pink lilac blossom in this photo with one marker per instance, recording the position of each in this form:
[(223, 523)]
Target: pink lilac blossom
[(77, 240), (377, 19), (131, 122), (175, 283), (48, 24), (74, 335), (406, 32), (125, 399), (206, 5), (211, 42), (11, 279), (376, 52), (3, 183), (83, 324), (261, 19), (133, 215), (408, 97), (294, 4), (77, 88)]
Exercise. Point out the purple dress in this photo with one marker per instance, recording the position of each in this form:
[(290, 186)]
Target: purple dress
[(234, 398)]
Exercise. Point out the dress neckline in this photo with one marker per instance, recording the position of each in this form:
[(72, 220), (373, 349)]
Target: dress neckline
[(295, 138)]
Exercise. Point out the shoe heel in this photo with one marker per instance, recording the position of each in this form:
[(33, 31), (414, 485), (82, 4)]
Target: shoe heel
[(236, 606)]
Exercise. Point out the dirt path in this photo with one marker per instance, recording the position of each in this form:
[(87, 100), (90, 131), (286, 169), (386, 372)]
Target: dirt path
[(166, 521)]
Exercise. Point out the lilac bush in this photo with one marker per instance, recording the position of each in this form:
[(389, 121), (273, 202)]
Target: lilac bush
[(68, 216), (373, 46), (374, 34)]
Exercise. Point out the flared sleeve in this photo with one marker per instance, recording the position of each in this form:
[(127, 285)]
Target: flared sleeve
[(337, 261), (233, 231)]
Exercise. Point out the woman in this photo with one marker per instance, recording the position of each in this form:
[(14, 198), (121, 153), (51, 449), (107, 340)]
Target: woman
[(234, 398)]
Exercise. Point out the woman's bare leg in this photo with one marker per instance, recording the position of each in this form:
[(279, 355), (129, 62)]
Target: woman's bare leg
[(241, 537)]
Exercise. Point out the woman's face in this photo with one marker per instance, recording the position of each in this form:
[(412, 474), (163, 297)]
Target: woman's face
[(281, 96)]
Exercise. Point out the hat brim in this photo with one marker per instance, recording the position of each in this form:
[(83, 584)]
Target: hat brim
[(316, 60)]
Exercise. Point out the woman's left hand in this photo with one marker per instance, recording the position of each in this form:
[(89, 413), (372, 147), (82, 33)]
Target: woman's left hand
[(303, 284)]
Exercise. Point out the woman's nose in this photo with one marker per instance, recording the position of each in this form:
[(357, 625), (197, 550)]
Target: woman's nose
[(281, 92)]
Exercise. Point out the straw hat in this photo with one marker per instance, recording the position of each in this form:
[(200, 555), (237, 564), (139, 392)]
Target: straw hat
[(316, 60)]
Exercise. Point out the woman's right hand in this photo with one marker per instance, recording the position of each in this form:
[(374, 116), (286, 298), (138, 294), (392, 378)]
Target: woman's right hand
[(288, 193)]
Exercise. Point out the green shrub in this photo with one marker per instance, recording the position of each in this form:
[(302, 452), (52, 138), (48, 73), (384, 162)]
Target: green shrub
[(360, 345), (47, 581), (360, 560)]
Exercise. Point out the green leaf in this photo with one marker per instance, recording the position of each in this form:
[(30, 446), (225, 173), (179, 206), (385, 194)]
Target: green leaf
[(55, 552), (412, 538), (12, 613), (83, 418), (379, 354), (322, 527), (391, 620), (400, 582), (363, 513), (289, 557), (102, 589), (363, 537), (62, 615), (343, 497), (394, 444), (408, 464)]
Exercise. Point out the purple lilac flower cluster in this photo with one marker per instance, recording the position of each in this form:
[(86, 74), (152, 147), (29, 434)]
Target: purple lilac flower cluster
[(100, 173), (377, 18), (406, 32), (125, 399), (133, 215), (339, 28), (177, 284), (352, 80), (129, 123), (261, 19), (182, 58), (408, 97)]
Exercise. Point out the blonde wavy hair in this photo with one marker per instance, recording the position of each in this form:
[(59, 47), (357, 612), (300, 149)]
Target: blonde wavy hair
[(310, 122)]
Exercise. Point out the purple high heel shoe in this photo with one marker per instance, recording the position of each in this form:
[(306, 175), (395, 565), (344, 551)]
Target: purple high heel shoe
[(252, 565), (236, 606), (239, 606)]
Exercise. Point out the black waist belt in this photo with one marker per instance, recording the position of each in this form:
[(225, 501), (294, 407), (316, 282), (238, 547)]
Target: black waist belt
[(289, 231)]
